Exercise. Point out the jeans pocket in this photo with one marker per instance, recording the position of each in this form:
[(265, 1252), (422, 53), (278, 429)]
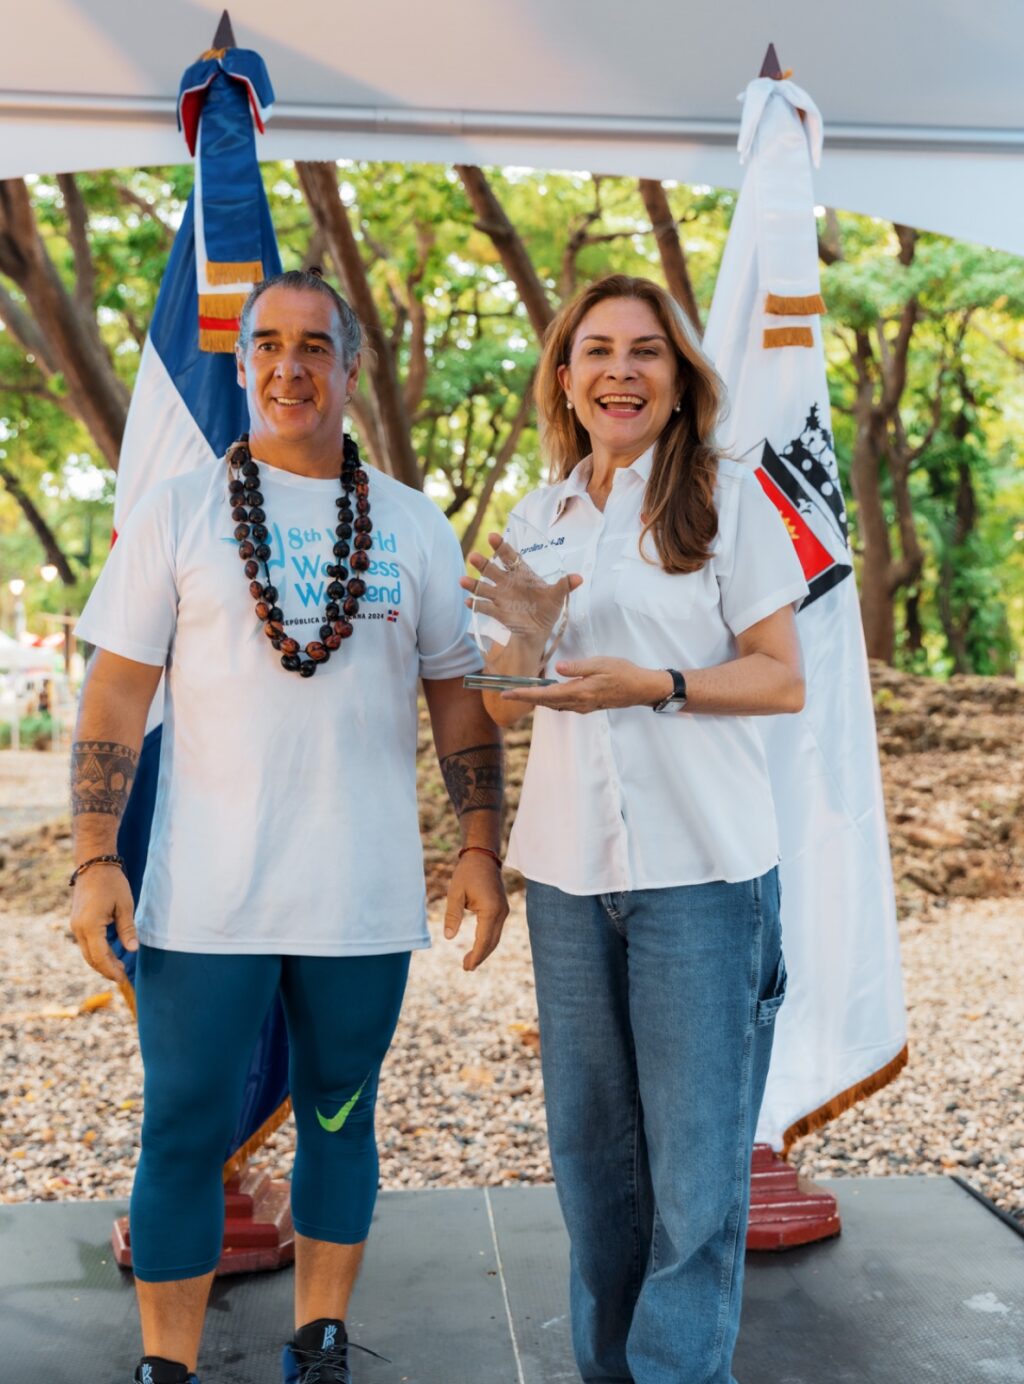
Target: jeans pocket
[(770, 1004)]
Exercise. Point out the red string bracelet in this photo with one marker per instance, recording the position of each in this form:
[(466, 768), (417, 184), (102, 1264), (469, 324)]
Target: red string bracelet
[(486, 850)]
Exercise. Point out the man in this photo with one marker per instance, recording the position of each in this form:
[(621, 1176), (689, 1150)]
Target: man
[(285, 853)]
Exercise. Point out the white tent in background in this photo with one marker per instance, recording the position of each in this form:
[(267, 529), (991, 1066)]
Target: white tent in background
[(841, 940), (923, 97), (16, 657)]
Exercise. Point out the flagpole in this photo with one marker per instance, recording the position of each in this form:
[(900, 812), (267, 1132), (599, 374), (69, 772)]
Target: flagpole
[(186, 393), (786, 1210)]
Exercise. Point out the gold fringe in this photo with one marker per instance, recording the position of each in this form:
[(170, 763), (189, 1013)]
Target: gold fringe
[(817, 1119), (212, 53), (787, 336), (221, 304), (780, 306), (243, 272), (128, 991), (241, 1156), (217, 341)]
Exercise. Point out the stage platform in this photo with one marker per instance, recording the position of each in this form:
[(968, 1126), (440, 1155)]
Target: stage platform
[(925, 1286)]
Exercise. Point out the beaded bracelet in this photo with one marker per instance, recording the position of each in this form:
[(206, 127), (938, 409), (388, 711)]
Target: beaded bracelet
[(486, 851), (96, 860)]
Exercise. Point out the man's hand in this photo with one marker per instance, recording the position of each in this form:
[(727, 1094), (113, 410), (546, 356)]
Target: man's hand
[(102, 896), (477, 885)]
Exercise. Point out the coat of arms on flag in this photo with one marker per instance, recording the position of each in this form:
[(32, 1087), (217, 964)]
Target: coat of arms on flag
[(802, 481)]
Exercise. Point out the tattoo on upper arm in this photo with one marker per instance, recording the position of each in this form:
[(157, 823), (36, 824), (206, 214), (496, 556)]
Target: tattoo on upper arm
[(475, 778), (102, 773)]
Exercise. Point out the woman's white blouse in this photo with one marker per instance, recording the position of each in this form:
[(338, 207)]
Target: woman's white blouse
[(626, 799)]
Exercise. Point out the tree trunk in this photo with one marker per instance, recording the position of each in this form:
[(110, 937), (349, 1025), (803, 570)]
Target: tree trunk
[(912, 622), (319, 182), (73, 343), (673, 258), (43, 532), (876, 606), (491, 219), (499, 467), (956, 623)]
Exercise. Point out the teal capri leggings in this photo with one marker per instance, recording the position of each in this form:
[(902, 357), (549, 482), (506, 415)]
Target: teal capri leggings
[(199, 1018)]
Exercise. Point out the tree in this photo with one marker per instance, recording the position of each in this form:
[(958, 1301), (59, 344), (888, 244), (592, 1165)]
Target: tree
[(902, 307), (457, 273), (56, 324)]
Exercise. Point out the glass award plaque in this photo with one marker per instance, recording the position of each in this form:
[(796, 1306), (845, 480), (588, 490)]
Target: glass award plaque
[(519, 610)]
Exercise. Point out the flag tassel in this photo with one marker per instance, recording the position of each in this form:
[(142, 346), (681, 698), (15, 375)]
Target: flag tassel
[(787, 336), (826, 1113), (221, 304), (236, 1163), (218, 339), (242, 272), (809, 305)]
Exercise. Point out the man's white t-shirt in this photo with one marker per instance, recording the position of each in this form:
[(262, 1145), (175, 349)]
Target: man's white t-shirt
[(626, 799), (286, 816)]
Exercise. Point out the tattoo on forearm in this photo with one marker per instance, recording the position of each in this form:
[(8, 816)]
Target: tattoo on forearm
[(475, 779), (102, 773)]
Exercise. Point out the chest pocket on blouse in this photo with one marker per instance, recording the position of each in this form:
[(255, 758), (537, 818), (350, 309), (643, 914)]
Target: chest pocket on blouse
[(647, 589)]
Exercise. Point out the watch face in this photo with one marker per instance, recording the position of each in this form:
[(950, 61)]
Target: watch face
[(673, 704)]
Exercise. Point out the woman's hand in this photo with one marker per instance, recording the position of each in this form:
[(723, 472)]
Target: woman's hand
[(598, 684), (514, 595)]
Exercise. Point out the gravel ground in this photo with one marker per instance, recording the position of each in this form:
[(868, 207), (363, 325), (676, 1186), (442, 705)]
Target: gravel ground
[(461, 1096), (33, 787), (461, 1099)]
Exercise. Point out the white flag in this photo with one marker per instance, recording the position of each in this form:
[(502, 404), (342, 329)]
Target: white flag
[(842, 1032)]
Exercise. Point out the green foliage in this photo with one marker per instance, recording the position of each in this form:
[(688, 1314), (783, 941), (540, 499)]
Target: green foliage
[(35, 732), (962, 410), (961, 419)]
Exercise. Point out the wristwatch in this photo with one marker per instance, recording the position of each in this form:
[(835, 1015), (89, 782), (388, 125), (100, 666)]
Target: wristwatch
[(676, 699)]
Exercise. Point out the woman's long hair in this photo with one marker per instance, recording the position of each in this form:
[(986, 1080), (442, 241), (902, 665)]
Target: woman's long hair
[(679, 504)]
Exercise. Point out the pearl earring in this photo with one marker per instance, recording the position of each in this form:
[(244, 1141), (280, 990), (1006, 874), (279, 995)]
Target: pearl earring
[(678, 407), (569, 405)]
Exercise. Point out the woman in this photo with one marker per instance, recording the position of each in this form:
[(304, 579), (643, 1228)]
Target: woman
[(649, 840)]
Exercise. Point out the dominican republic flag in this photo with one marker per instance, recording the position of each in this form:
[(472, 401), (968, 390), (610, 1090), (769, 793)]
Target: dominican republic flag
[(842, 1032), (187, 408)]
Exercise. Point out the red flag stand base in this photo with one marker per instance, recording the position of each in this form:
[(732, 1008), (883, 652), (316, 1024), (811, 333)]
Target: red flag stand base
[(258, 1231), (786, 1209)]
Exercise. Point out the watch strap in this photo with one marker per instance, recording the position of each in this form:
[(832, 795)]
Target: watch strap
[(676, 699)]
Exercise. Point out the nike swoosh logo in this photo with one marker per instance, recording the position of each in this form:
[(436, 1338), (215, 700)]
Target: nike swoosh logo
[(333, 1125)]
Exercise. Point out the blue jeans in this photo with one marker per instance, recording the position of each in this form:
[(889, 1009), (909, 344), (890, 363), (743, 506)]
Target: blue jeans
[(657, 1010)]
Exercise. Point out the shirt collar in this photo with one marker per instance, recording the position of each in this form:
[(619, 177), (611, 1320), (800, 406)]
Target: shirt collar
[(644, 464), (578, 479), (574, 485)]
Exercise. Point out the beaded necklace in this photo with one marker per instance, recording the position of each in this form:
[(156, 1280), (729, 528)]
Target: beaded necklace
[(353, 530)]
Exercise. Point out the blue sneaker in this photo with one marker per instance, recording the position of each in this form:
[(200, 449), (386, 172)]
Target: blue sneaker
[(319, 1354), (154, 1369)]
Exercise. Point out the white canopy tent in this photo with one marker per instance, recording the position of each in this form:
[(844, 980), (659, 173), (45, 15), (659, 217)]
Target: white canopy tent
[(922, 100)]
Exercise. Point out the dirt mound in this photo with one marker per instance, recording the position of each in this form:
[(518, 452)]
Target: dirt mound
[(951, 765)]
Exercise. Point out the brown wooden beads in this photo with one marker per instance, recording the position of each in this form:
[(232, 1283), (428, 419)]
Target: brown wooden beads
[(352, 531)]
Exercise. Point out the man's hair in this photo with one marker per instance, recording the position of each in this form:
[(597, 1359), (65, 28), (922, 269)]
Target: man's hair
[(350, 332)]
